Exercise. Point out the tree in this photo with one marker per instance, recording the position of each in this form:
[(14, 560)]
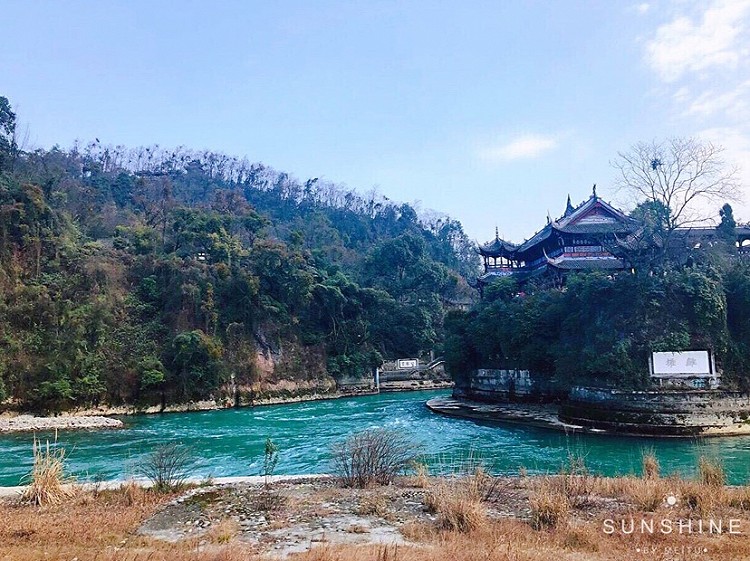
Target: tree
[(727, 226), (684, 175), (7, 134), (195, 360)]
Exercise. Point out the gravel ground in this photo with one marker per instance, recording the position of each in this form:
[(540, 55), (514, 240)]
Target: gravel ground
[(292, 516), (29, 423)]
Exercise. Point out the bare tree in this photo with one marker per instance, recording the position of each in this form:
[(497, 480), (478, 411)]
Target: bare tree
[(373, 457), (166, 467), (686, 175)]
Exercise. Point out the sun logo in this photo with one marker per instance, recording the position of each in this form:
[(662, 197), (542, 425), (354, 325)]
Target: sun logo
[(671, 500)]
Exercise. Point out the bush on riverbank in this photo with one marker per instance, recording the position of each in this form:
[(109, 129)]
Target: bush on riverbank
[(373, 457), (48, 483), (166, 467)]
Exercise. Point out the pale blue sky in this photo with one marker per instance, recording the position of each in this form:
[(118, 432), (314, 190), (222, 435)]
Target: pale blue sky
[(490, 111)]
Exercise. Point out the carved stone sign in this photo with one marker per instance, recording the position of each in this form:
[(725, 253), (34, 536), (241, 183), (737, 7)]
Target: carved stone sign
[(684, 363)]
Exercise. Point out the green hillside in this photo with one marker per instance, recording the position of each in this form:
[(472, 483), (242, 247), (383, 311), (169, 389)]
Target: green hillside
[(146, 275)]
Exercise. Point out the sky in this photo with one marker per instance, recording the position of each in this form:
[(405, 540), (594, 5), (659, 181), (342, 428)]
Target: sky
[(492, 112)]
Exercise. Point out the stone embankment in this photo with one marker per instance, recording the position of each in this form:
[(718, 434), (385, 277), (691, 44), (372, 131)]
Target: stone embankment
[(523, 397), (29, 423), (659, 412)]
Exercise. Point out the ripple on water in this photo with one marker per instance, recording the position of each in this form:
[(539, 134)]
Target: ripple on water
[(230, 442)]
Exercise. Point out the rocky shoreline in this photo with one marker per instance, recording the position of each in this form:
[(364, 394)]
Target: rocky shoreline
[(29, 423), (548, 416)]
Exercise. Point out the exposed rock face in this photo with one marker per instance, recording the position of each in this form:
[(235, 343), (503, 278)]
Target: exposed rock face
[(664, 412), (28, 423), (288, 372), (660, 413)]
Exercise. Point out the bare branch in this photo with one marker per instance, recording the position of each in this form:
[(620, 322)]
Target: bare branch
[(687, 175)]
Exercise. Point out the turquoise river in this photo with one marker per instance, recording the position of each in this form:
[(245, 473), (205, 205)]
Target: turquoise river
[(230, 442)]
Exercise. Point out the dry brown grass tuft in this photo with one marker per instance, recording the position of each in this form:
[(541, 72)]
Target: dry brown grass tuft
[(711, 472), (581, 539), (421, 478), (549, 506), (372, 505), (223, 531), (739, 498), (48, 483), (703, 499), (132, 493), (418, 531), (458, 504), (646, 495), (650, 464), (575, 482)]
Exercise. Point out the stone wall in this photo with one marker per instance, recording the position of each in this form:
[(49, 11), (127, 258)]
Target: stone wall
[(663, 412), (497, 386)]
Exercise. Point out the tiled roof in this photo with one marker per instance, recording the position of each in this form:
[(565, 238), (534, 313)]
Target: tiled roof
[(497, 246)]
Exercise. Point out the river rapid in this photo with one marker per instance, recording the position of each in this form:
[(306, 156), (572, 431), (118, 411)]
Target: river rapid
[(230, 442)]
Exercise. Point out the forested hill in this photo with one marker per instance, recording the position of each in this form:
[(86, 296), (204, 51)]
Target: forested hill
[(148, 275)]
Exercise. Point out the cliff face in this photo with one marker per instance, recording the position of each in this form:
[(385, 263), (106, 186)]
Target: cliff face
[(287, 371), (668, 412)]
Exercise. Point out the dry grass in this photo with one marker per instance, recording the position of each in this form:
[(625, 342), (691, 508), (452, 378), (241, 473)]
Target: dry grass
[(48, 484), (101, 526), (650, 464), (550, 506), (223, 531), (372, 505), (420, 478), (646, 495), (81, 527), (711, 472), (458, 503)]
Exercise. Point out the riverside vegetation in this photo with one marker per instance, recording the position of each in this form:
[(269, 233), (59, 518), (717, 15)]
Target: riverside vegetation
[(600, 328), (149, 276), (469, 515)]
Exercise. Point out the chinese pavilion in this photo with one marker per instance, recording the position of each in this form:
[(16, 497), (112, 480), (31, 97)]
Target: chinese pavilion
[(577, 240)]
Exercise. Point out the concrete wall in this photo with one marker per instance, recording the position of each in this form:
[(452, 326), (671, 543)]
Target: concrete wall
[(494, 385), (665, 412), (422, 378)]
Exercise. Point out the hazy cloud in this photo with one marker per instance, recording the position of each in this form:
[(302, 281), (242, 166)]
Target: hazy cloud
[(736, 142), (643, 8), (710, 38), (732, 103), (522, 147)]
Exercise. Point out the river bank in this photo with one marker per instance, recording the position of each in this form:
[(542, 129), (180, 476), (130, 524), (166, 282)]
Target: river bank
[(683, 423), (416, 518)]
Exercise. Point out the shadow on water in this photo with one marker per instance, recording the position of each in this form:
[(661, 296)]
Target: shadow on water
[(230, 442)]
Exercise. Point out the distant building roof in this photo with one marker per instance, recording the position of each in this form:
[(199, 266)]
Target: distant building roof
[(592, 216), (497, 247)]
